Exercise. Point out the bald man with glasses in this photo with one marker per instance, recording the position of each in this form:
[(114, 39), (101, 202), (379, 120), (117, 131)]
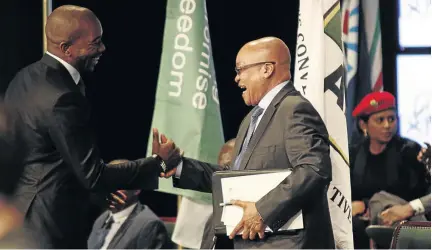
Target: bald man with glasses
[(282, 131)]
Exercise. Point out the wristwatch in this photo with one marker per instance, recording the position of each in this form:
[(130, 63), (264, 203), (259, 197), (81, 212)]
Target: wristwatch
[(161, 162)]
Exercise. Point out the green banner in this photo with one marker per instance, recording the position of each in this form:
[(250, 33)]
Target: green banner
[(187, 103)]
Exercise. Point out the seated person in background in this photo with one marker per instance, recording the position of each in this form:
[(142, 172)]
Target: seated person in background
[(208, 240), (414, 208), (127, 224), (382, 161)]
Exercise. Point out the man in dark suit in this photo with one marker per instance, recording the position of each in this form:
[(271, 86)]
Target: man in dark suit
[(128, 224), (283, 131), (63, 162)]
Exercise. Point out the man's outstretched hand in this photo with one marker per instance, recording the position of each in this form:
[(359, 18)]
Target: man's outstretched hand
[(166, 149)]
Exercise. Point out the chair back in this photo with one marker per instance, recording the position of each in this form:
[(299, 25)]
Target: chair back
[(412, 235), (381, 235)]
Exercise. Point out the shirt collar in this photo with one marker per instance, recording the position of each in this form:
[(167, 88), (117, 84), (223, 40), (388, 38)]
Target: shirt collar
[(268, 98), (121, 215), (72, 71)]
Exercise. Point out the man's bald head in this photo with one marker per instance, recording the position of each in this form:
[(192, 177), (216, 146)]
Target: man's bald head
[(65, 23), (74, 34), (261, 65), (226, 153), (268, 49)]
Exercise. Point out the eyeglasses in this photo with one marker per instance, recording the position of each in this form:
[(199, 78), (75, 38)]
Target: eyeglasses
[(238, 70)]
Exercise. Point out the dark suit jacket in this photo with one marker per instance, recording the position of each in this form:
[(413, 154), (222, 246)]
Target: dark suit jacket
[(141, 230), (291, 135), (63, 162), (399, 173), (10, 152)]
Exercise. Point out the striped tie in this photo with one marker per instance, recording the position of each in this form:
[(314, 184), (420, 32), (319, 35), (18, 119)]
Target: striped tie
[(255, 114)]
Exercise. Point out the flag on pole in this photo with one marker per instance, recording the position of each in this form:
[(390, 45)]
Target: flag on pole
[(372, 28), (350, 35), (187, 107), (319, 73), (362, 39)]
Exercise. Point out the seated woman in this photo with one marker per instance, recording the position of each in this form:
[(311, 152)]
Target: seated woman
[(382, 161)]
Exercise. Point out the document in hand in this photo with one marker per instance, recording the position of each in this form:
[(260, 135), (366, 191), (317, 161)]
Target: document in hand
[(252, 188)]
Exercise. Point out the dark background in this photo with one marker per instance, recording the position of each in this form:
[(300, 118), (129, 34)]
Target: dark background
[(122, 89)]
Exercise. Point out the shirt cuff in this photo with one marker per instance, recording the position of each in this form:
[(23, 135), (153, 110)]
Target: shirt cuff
[(179, 170), (417, 206)]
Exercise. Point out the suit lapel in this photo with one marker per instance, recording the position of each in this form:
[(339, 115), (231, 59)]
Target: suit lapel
[(124, 227), (241, 136), (103, 219), (265, 120), (393, 159), (360, 164), (97, 235)]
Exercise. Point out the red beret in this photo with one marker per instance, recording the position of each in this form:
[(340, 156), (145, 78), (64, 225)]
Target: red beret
[(374, 102)]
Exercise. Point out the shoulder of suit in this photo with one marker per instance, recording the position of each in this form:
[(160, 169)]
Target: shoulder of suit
[(408, 149), (408, 142), (39, 82), (147, 214), (405, 145), (295, 100)]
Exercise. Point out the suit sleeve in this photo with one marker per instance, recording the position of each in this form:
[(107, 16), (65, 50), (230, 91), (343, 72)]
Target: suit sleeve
[(153, 236), (70, 132), (426, 202), (196, 175), (307, 149)]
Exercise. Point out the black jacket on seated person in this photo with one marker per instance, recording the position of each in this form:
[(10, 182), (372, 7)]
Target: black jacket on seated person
[(141, 230), (396, 170)]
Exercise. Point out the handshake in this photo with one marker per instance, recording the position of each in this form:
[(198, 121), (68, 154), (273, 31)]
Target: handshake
[(166, 149)]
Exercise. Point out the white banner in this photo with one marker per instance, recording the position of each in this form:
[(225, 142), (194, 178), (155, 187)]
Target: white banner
[(319, 77)]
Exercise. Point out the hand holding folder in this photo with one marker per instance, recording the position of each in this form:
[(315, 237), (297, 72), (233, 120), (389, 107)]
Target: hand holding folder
[(249, 186)]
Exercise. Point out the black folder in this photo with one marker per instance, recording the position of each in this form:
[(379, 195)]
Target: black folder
[(219, 227)]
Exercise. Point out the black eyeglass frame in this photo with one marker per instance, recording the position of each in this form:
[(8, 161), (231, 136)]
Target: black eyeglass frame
[(238, 70)]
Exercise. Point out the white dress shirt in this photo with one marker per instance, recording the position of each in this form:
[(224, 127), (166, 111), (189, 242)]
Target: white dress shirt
[(72, 71), (417, 206), (119, 218), (267, 99), (264, 103)]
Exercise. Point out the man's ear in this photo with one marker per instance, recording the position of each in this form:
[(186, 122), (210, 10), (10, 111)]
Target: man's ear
[(65, 48), (268, 70)]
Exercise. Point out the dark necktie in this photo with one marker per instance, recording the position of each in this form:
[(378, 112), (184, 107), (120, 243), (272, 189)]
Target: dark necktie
[(81, 86), (103, 233), (257, 111)]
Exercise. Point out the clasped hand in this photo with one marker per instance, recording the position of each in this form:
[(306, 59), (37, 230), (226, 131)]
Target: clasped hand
[(167, 150)]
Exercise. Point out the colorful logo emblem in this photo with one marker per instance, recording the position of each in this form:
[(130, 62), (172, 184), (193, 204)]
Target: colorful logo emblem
[(373, 103)]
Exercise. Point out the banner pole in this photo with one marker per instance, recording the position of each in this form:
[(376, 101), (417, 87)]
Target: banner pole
[(46, 10), (179, 199)]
